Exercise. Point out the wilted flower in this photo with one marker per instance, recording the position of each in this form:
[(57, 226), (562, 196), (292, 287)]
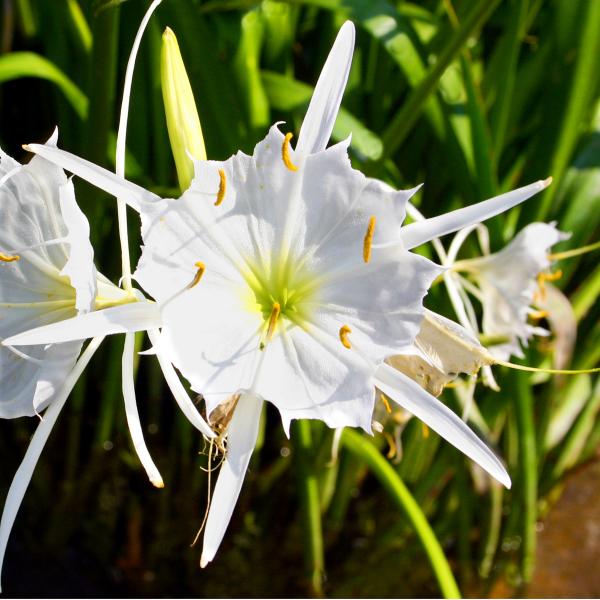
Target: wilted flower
[(442, 350)]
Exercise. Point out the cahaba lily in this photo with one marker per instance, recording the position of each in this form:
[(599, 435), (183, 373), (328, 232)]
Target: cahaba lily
[(509, 283), (287, 276), (47, 275)]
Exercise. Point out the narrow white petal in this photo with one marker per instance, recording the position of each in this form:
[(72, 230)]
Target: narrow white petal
[(80, 268), (22, 477), (419, 233), (114, 185), (440, 418), (241, 439), (181, 396), (137, 316), (133, 417), (325, 102)]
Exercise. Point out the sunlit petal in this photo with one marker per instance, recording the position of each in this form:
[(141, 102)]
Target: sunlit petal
[(243, 431), (440, 418)]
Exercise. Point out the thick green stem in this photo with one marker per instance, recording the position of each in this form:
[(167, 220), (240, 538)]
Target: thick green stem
[(364, 449), (528, 478), (308, 487)]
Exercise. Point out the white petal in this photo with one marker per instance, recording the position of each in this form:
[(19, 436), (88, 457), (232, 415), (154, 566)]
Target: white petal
[(241, 440), (137, 316), (133, 417), (508, 283), (24, 473), (57, 363), (80, 267), (112, 184), (415, 234), (308, 374), (181, 396), (324, 105), (440, 418), (212, 338)]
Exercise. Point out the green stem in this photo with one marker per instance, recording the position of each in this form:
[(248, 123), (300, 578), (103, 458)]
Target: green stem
[(528, 479), (364, 449), (101, 92), (310, 504), (493, 533)]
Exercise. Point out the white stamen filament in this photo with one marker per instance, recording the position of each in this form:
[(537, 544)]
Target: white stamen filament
[(120, 151)]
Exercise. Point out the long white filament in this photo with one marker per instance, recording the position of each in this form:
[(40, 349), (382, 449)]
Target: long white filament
[(128, 384), (133, 417), (121, 138), (22, 477), (181, 396)]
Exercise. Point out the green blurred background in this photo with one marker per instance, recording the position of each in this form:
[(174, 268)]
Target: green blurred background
[(471, 97)]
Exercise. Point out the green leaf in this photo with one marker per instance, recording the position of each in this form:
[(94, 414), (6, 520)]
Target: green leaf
[(28, 64)]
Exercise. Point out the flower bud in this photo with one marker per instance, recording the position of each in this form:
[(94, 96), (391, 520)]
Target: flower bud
[(183, 122)]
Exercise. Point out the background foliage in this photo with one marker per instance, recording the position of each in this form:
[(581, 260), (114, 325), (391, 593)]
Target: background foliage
[(471, 97)]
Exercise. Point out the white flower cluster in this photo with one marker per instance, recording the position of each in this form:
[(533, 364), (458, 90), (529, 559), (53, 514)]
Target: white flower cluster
[(286, 276)]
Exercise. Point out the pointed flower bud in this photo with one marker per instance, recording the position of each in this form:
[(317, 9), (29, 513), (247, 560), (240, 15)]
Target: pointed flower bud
[(183, 122)]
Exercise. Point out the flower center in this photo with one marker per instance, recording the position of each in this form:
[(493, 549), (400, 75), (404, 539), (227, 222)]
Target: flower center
[(282, 291)]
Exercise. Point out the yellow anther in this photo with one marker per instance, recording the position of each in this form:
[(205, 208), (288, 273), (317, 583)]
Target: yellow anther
[(345, 331), (425, 430), (198, 276), (542, 278), (539, 314), (275, 312), (368, 240), (393, 450), (285, 152), (8, 258), (222, 187), (386, 403)]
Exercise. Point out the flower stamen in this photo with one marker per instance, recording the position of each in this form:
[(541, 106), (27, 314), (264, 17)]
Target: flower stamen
[(8, 258), (222, 187), (386, 403), (198, 276), (345, 331), (393, 449), (368, 241), (539, 314), (542, 278), (285, 152), (275, 312)]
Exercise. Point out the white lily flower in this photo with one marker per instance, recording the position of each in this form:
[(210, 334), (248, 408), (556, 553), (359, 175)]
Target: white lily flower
[(508, 282), (47, 274), (285, 276)]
